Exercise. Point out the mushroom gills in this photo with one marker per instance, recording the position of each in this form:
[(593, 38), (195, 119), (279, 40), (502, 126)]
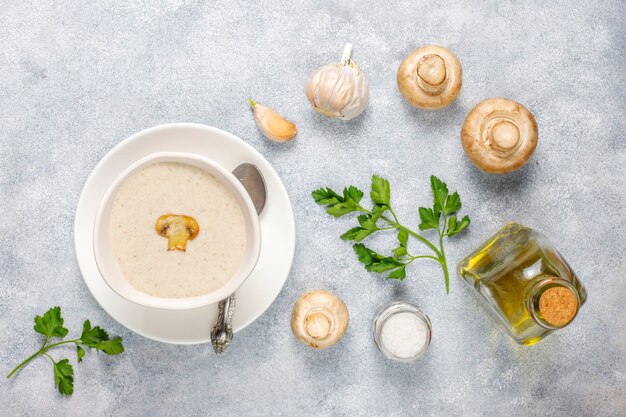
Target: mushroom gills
[(178, 229)]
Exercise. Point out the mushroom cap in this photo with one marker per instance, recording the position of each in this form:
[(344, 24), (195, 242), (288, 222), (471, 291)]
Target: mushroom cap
[(499, 135), (319, 319), (178, 229), (430, 77)]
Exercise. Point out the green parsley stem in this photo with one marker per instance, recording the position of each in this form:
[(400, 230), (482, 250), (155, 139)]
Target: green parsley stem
[(50, 357), (412, 233), (393, 214), (423, 257), (446, 275), (31, 357), (443, 261), (399, 226), (441, 254), (41, 351), (61, 343)]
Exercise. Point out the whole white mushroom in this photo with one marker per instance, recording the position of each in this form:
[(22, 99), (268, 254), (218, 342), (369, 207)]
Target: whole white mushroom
[(319, 319)]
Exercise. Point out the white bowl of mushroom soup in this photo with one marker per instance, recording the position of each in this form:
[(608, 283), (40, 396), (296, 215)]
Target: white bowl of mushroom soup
[(176, 231)]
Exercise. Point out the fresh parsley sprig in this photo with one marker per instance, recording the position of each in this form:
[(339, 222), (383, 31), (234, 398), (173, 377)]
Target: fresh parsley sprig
[(51, 326), (442, 217)]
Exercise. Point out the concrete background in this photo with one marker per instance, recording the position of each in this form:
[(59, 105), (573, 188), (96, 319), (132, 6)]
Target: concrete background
[(77, 77)]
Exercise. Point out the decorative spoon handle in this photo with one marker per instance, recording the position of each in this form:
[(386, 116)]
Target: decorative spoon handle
[(222, 332), (252, 180)]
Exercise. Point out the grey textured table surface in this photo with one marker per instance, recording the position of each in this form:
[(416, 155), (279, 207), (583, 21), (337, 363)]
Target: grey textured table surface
[(78, 77)]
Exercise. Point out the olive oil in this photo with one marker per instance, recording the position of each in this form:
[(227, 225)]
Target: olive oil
[(524, 282)]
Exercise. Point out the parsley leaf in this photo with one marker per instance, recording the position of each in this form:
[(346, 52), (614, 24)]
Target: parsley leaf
[(453, 204), (338, 205), (352, 193), (375, 262), (326, 196), (454, 227), (368, 226), (92, 336), (440, 193), (80, 353), (429, 218), (340, 209), (64, 377), (51, 324), (111, 347), (381, 192), (399, 273), (441, 216), (403, 238), (357, 234), (97, 338)]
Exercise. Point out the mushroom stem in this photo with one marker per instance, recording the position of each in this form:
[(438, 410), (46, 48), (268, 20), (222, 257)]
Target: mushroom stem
[(504, 136), (318, 323), (432, 74), (347, 53)]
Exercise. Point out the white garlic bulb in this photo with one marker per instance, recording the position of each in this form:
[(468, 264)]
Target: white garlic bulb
[(338, 90)]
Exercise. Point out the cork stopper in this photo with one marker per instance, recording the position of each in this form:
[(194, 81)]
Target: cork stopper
[(558, 306)]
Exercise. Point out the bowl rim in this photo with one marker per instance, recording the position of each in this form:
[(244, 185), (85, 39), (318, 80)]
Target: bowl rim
[(135, 296)]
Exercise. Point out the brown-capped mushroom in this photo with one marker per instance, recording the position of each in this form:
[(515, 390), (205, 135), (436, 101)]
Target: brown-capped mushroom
[(499, 135), (430, 77), (319, 319), (178, 229)]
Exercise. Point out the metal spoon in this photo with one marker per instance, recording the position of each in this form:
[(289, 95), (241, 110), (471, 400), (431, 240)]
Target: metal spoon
[(252, 180)]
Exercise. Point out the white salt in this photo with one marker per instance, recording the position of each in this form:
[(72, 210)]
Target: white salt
[(404, 335)]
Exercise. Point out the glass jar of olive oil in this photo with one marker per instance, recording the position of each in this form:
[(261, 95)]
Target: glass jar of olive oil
[(525, 282)]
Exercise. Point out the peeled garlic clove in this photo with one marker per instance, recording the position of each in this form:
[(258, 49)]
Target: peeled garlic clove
[(272, 124), (338, 90)]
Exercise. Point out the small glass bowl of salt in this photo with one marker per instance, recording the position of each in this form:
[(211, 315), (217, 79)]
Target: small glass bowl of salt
[(401, 331)]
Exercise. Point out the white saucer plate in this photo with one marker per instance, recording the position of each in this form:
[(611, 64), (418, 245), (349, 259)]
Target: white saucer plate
[(277, 233)]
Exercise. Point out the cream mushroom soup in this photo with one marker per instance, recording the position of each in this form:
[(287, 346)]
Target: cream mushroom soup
[(210, 259)]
